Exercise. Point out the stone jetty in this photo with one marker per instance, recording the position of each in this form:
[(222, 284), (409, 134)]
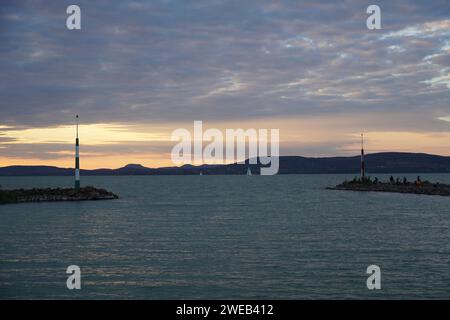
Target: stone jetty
[(57, 194), (426, 188)]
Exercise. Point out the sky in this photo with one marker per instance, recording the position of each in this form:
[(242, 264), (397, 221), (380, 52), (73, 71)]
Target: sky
[(138, 70)]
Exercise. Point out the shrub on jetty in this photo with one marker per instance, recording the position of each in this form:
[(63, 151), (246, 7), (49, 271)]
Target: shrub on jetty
[(364, 181)]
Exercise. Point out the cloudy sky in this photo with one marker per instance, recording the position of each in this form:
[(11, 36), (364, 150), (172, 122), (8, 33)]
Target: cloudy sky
[(140, 69)]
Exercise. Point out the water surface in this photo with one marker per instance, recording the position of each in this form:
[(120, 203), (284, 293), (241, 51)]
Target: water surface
[(258, 237)]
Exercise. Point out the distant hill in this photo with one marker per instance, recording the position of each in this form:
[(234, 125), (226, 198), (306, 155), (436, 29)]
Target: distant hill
[(386, 162)]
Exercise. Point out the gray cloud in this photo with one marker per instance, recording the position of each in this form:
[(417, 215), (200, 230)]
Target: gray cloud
[(170, 61)]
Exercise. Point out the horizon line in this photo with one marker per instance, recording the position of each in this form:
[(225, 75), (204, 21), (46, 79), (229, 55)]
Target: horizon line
[(224, 164)]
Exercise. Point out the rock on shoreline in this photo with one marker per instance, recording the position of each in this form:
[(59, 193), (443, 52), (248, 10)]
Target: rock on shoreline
[(427, 188), (58, 194)]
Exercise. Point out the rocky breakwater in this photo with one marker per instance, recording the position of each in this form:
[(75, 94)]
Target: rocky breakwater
[(426, 188), (57, 194)]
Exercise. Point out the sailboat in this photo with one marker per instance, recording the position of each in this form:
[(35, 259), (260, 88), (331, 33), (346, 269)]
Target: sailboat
[(249, 172), (201, 173)]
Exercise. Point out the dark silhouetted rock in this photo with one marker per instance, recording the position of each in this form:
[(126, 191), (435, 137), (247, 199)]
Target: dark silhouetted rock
[(58, 194), (427, 188)]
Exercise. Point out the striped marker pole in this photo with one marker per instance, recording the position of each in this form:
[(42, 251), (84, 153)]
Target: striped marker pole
[(77, 161), (362, 157)]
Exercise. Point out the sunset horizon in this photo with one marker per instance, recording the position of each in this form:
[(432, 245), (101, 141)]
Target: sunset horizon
[(95, 138), (134, 75)]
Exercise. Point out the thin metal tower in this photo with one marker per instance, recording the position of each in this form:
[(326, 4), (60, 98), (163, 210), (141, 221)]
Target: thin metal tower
[(77, 160), (362, 158)]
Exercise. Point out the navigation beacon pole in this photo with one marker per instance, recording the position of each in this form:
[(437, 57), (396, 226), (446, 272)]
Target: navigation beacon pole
[(77, 161), (362, 157)]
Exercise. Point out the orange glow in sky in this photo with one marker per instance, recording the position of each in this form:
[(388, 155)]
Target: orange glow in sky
[(115, 145)]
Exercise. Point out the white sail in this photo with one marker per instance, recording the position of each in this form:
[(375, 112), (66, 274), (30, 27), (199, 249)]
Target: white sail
[(249, 172)]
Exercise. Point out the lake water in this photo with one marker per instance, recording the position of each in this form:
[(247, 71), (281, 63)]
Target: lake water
[(224, 237)]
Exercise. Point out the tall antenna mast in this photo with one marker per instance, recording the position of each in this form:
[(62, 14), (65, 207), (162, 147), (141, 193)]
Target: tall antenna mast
[(362, 157), (77, 160)]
